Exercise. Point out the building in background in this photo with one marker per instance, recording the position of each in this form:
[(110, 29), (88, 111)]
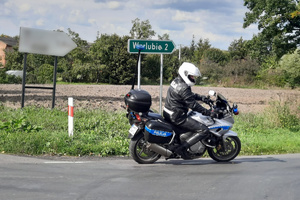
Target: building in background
[(6, 44)]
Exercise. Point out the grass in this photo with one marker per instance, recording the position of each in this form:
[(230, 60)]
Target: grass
[(275, 131), (38, 131)]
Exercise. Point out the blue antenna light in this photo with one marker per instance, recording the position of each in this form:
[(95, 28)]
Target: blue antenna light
[(140, 47)]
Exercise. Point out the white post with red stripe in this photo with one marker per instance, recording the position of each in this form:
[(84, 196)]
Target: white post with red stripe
[(70, 116)]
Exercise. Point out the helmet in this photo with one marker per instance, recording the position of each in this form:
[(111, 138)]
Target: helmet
[(189, 72)]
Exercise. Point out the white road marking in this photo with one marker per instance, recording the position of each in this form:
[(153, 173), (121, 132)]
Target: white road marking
[(65, 162)]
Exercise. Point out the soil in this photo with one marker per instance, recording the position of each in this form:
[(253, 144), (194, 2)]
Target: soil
[(111, 97)]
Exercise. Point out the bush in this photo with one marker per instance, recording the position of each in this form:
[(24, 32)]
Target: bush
[(290, 66), (44, 73), (9, 79)]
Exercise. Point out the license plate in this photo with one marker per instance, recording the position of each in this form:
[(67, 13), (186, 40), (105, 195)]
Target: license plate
[(132, 131)]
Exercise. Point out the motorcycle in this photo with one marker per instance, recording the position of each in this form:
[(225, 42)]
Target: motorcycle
[(151, 136)]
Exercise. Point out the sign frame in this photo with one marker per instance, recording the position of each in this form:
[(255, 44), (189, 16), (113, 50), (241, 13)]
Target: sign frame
[(45, 42), (38, 41)]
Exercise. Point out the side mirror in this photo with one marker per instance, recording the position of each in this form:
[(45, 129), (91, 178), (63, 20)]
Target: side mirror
[(235, 109), (212, 93)]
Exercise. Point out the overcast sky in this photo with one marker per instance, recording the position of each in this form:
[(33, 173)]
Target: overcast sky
[(221, 21)]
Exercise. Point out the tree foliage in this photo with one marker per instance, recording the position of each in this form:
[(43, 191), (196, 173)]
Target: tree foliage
[(290, 66), (107, 60), (201, 47), (238, 49), (279, 22), (141, 29)]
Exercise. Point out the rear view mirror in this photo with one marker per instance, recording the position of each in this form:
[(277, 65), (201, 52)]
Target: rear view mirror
[(212, 93)]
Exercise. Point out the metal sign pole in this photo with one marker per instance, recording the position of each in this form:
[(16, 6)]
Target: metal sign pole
[(161, 83), (54, 82), (152, 47), (139, 73), (24, 81)]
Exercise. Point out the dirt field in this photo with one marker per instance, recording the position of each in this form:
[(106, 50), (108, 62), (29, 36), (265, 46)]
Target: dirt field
[(111, 97)]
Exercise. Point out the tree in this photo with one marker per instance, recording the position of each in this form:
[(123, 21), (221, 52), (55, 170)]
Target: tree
[(279, 22), (172, 64), (141, 29), (258, 48), (216, 55), (165, 36), (44, 74), (151, 67), (75, 61), (202, 46), (238, 49), (14, 59), (185, 54), (80, 53), (290, 65), (109, 53), (193, 46)]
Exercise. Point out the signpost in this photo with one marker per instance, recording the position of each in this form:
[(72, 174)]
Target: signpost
[(152, 47), (44, 42)]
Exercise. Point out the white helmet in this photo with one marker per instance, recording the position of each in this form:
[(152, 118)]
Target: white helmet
[(186, 70)]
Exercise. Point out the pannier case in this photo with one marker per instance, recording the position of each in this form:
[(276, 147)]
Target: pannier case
[(138, 100), (159, 132)]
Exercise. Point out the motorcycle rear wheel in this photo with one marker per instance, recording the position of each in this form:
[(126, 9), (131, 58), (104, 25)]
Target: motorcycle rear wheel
[(233, 146), (140, 153)]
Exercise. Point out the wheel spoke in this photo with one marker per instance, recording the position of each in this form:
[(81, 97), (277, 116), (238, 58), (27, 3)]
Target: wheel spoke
[(144, 152), (232, 150), (140, 153)]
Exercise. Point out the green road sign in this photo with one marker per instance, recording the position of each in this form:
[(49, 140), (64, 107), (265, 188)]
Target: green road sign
[(152, 46)]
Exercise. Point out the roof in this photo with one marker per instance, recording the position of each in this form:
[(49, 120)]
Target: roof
[(9, 41)]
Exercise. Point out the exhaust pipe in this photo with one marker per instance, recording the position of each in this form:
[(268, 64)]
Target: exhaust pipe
[(159, 149)]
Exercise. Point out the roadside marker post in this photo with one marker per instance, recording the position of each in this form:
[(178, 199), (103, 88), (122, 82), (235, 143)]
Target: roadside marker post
[(70, 116)]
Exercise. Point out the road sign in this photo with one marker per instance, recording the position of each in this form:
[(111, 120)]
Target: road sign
[(45, 42), (152, 46)]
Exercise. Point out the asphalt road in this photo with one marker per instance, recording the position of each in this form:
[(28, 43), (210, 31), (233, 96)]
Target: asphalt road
[(257, 178)]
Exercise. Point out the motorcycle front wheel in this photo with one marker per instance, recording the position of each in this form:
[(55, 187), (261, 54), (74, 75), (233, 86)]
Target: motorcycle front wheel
[(221, 154), (140, 153)]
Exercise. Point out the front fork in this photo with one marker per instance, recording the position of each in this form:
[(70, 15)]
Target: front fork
[(229, 133)]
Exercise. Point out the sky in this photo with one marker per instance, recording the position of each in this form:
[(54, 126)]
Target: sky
[(219, 21)]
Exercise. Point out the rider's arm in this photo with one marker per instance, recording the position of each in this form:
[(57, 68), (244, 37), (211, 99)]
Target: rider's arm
[(190, 100), (200, 97)]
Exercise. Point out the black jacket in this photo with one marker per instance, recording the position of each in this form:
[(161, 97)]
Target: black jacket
[(180, 99)]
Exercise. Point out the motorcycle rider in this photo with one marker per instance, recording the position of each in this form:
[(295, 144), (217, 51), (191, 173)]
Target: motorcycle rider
[(180, 99)]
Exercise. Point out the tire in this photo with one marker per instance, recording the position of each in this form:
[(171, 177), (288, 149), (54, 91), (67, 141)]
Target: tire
[(219, 154), (140, 153)]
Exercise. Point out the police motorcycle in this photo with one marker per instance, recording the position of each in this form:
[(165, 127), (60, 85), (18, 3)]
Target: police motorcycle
[(151, 136)]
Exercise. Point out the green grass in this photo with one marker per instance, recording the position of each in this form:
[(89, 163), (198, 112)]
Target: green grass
[(275, 131), (38, 131)]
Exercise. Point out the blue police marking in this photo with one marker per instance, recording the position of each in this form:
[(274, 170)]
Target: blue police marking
[(158, 132)]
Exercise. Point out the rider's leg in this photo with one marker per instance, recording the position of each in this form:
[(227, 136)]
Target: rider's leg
[(200, 130)]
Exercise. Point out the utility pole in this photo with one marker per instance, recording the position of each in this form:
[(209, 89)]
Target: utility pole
[(179, 52)]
